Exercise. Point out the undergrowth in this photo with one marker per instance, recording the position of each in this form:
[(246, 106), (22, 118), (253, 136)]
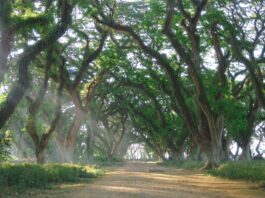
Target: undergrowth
[(185, 164), (250, 171), (39, 176), (103, 161)]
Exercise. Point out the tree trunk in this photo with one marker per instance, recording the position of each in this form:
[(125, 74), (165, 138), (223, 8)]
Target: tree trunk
[(90, 141), (70, 141), (40, 155), (5, 47), (68, 153), (177, 153), (213, 155), (110, 156), (246, 153), (198, 156), (117, 144), (245, 137), (211, 141), (123, 150), (226, 141)]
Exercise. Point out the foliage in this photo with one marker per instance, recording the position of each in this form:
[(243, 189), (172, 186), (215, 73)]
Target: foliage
[(185, 164), (105, 161), (182, 82), (251, 171), (31, 175), (5, 143)]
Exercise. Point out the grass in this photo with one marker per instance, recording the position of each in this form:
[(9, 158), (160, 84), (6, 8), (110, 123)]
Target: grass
[(24, 176), (103, 161), (249, 171), (185, 164), (253, 171)]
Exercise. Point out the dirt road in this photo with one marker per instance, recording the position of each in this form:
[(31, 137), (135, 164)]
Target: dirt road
[(135, 181)]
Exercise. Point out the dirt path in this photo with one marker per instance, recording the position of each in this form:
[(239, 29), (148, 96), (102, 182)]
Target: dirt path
[(135, 181)]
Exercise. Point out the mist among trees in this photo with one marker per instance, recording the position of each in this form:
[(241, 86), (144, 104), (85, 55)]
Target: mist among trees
[(152, 80)]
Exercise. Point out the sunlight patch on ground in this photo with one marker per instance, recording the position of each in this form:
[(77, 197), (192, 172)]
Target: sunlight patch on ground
[(134, 181)]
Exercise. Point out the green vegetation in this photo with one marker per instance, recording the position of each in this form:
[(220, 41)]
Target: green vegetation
[(185, 164), (242, 170), (250, 171), (31, 175), (5, 143), (103, 161), (152, 80)]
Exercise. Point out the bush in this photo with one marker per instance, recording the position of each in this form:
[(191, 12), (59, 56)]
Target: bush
[(104, 161), (186, 164), (31, 175), (5, 144), (251, 171)]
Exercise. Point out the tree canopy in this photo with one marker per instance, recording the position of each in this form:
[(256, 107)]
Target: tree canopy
[(85, 79)]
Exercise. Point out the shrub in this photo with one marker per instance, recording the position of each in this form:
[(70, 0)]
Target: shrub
[(5, 144), (251, 171), (31, 175), (104, 161), (186, 164)]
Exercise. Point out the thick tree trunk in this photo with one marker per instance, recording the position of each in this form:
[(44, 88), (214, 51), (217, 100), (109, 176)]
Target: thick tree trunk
[(259, 154), (198, 156), (123, 150), (226, 142), (245, 137), (210, 140), (110, 156), (70, 141), (5, 47), (66, 151), (213, 155), (6, 36), (68, 154), (116, 144), (90, 141), (246, 153), (40, 155)]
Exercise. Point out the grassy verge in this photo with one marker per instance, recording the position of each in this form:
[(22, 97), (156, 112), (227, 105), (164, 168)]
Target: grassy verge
[(24, 176), (102, 161), (250, 171), (253, 171), (185, 164)]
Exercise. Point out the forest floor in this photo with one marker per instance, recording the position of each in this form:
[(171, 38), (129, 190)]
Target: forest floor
[(146, 180)]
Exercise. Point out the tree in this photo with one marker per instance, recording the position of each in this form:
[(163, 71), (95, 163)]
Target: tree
[(19, 88), (32, 126)]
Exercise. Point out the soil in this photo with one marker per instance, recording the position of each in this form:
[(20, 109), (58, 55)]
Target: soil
[(145, 180)]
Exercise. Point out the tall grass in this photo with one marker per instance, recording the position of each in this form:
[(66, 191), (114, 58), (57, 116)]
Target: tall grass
[(185, 164), (251, 171), (32, 175)]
